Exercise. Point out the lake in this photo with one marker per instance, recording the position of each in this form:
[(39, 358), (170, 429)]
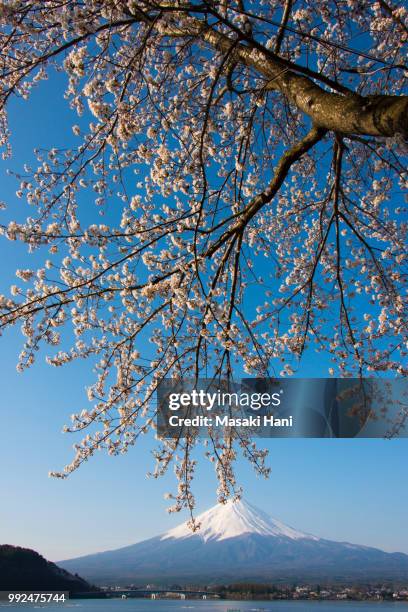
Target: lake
[(147, 605)]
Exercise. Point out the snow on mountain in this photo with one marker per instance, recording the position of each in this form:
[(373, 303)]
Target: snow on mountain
[(233, 519)]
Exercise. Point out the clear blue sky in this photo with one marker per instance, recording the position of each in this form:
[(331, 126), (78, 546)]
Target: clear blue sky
[(351, 490)]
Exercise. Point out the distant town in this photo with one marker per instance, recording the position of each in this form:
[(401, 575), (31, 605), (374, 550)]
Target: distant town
[(253, 591)]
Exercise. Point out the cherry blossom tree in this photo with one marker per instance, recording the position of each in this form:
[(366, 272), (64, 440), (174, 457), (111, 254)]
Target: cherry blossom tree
[(243, 165)]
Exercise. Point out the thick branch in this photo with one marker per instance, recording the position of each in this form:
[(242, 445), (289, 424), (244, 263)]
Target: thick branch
[(353, 114), (281, 32), (381, 115)]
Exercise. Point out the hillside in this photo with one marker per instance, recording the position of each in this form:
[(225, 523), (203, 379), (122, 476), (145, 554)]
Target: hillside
[(23, 569)]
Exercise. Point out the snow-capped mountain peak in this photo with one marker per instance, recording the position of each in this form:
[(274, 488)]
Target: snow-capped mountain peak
[(238, 542), (234, 519)]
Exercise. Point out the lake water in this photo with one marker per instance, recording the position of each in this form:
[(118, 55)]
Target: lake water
[(146, 605)]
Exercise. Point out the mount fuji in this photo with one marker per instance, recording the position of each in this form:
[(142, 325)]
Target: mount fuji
[(238, 542)]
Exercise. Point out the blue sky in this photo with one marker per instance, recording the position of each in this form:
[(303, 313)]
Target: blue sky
[(340, 489)]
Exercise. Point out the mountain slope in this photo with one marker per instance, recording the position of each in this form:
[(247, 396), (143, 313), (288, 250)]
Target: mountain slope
[(236, 541), (23, 569)]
